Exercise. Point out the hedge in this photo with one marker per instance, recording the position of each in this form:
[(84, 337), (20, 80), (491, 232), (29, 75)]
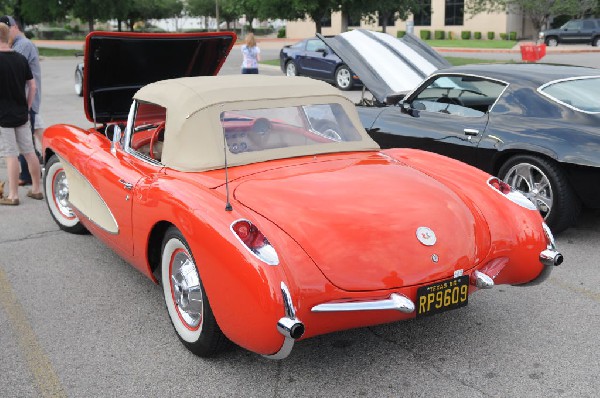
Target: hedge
[(465, 34), (503, 36), (400, 34), (439, 35), (491, 35), (477, 35), (425, 34), (512, 36)]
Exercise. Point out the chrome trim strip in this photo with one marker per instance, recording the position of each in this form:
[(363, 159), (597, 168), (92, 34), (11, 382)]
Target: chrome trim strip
[(543, 86), (286, 326), (514, 196), (396, 302)]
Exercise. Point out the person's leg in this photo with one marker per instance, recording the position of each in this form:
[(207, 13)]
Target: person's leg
[(25, 176), (34, 169), (12, 168)]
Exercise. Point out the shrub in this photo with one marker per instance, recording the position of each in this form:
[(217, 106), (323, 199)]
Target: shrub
[(512, 36), (465, 34), (439, 35), (281, 33), (52, 33), (425, 34), (451, 35), (477, 35), (400, 34), (503, 36), (491, 35)]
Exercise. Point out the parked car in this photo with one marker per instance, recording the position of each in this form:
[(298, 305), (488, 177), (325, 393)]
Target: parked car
[(312, 58), (263, 207), (574, 31), (535, 126)]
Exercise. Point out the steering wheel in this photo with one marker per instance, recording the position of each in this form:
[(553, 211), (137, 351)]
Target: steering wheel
[(261, 129), (327, 129), (159, 129), (450, 100)]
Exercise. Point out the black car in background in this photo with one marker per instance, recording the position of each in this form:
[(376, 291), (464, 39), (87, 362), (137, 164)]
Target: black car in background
[(312, 58), (535, 126), (574, 31)]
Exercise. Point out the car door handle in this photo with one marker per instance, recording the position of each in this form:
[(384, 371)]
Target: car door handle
[(126, 185), (471, 132)]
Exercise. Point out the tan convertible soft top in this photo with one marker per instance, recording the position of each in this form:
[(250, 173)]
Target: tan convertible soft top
[(194, 139)]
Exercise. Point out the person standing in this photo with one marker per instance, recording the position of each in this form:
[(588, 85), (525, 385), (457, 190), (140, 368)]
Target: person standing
[(24, 46), (251, 55), (15, 133)]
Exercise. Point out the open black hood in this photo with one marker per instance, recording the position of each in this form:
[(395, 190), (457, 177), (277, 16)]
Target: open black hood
[(117, 64), (384, 64)]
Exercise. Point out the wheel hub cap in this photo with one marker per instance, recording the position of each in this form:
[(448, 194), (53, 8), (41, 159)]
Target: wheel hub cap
[(534, 184), (60, 188), (187, 292)]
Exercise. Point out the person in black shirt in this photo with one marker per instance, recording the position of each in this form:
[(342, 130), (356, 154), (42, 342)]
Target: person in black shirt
[(15, 133)]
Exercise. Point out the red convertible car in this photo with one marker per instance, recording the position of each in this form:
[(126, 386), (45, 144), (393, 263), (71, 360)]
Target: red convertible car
[(267, 213)]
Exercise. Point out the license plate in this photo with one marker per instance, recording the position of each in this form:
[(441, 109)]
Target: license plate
[(443, 296)]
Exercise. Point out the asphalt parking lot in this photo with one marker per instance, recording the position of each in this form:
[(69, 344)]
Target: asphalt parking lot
[(77, 321)]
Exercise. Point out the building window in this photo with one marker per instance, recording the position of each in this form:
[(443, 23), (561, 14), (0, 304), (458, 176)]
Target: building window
[(326, 21), (389, 21), (422, 16), (455, 12)]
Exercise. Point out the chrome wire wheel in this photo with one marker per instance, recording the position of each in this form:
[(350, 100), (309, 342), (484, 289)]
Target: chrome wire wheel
[(532, 182), (186, 300), (56, 187), (343, 78), (185, 289), (290, 69)]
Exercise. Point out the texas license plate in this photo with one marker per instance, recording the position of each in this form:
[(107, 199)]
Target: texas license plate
[(443, 296)]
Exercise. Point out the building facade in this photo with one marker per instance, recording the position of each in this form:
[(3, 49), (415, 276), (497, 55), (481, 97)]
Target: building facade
[(444, 15)]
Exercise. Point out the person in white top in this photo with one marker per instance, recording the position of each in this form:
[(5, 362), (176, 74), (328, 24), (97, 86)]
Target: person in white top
[(251, 54)]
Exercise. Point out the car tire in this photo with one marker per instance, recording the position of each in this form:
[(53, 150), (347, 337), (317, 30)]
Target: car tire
[(595, 41), (79, 82), (291, 69), (343, 78), (187, 304), (551, 192), (56, 189), (551, 41)]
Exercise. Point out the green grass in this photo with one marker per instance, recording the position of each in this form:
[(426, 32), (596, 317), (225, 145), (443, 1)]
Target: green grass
[(57, 52), (472, 43), (274, 62), (459, 61)]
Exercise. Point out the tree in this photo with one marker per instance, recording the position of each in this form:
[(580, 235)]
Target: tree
[(537, 11), (384, 9)]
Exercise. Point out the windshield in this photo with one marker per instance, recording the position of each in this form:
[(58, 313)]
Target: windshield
[(252, 130), (579, 94)]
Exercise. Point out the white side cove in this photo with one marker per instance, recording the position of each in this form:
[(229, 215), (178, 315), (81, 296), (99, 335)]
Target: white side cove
[(398, 75)]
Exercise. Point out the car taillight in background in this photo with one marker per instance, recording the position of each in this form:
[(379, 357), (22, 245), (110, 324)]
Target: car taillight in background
[(511, 194)]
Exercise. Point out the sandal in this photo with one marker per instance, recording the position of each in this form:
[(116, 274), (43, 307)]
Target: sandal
[(9, 202), (36, 196)]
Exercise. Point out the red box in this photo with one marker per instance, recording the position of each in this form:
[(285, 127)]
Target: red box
[(533, 52)]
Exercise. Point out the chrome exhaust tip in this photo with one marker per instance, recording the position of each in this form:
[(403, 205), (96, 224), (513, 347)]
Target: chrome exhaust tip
[(291, 328), (551, 257), (482, 280)]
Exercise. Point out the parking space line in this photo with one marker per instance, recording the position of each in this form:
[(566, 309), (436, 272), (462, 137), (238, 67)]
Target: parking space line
[(46, 379)]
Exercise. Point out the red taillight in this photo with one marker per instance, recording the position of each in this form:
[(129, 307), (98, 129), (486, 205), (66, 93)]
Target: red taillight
[(500, 185), (249, 234)]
